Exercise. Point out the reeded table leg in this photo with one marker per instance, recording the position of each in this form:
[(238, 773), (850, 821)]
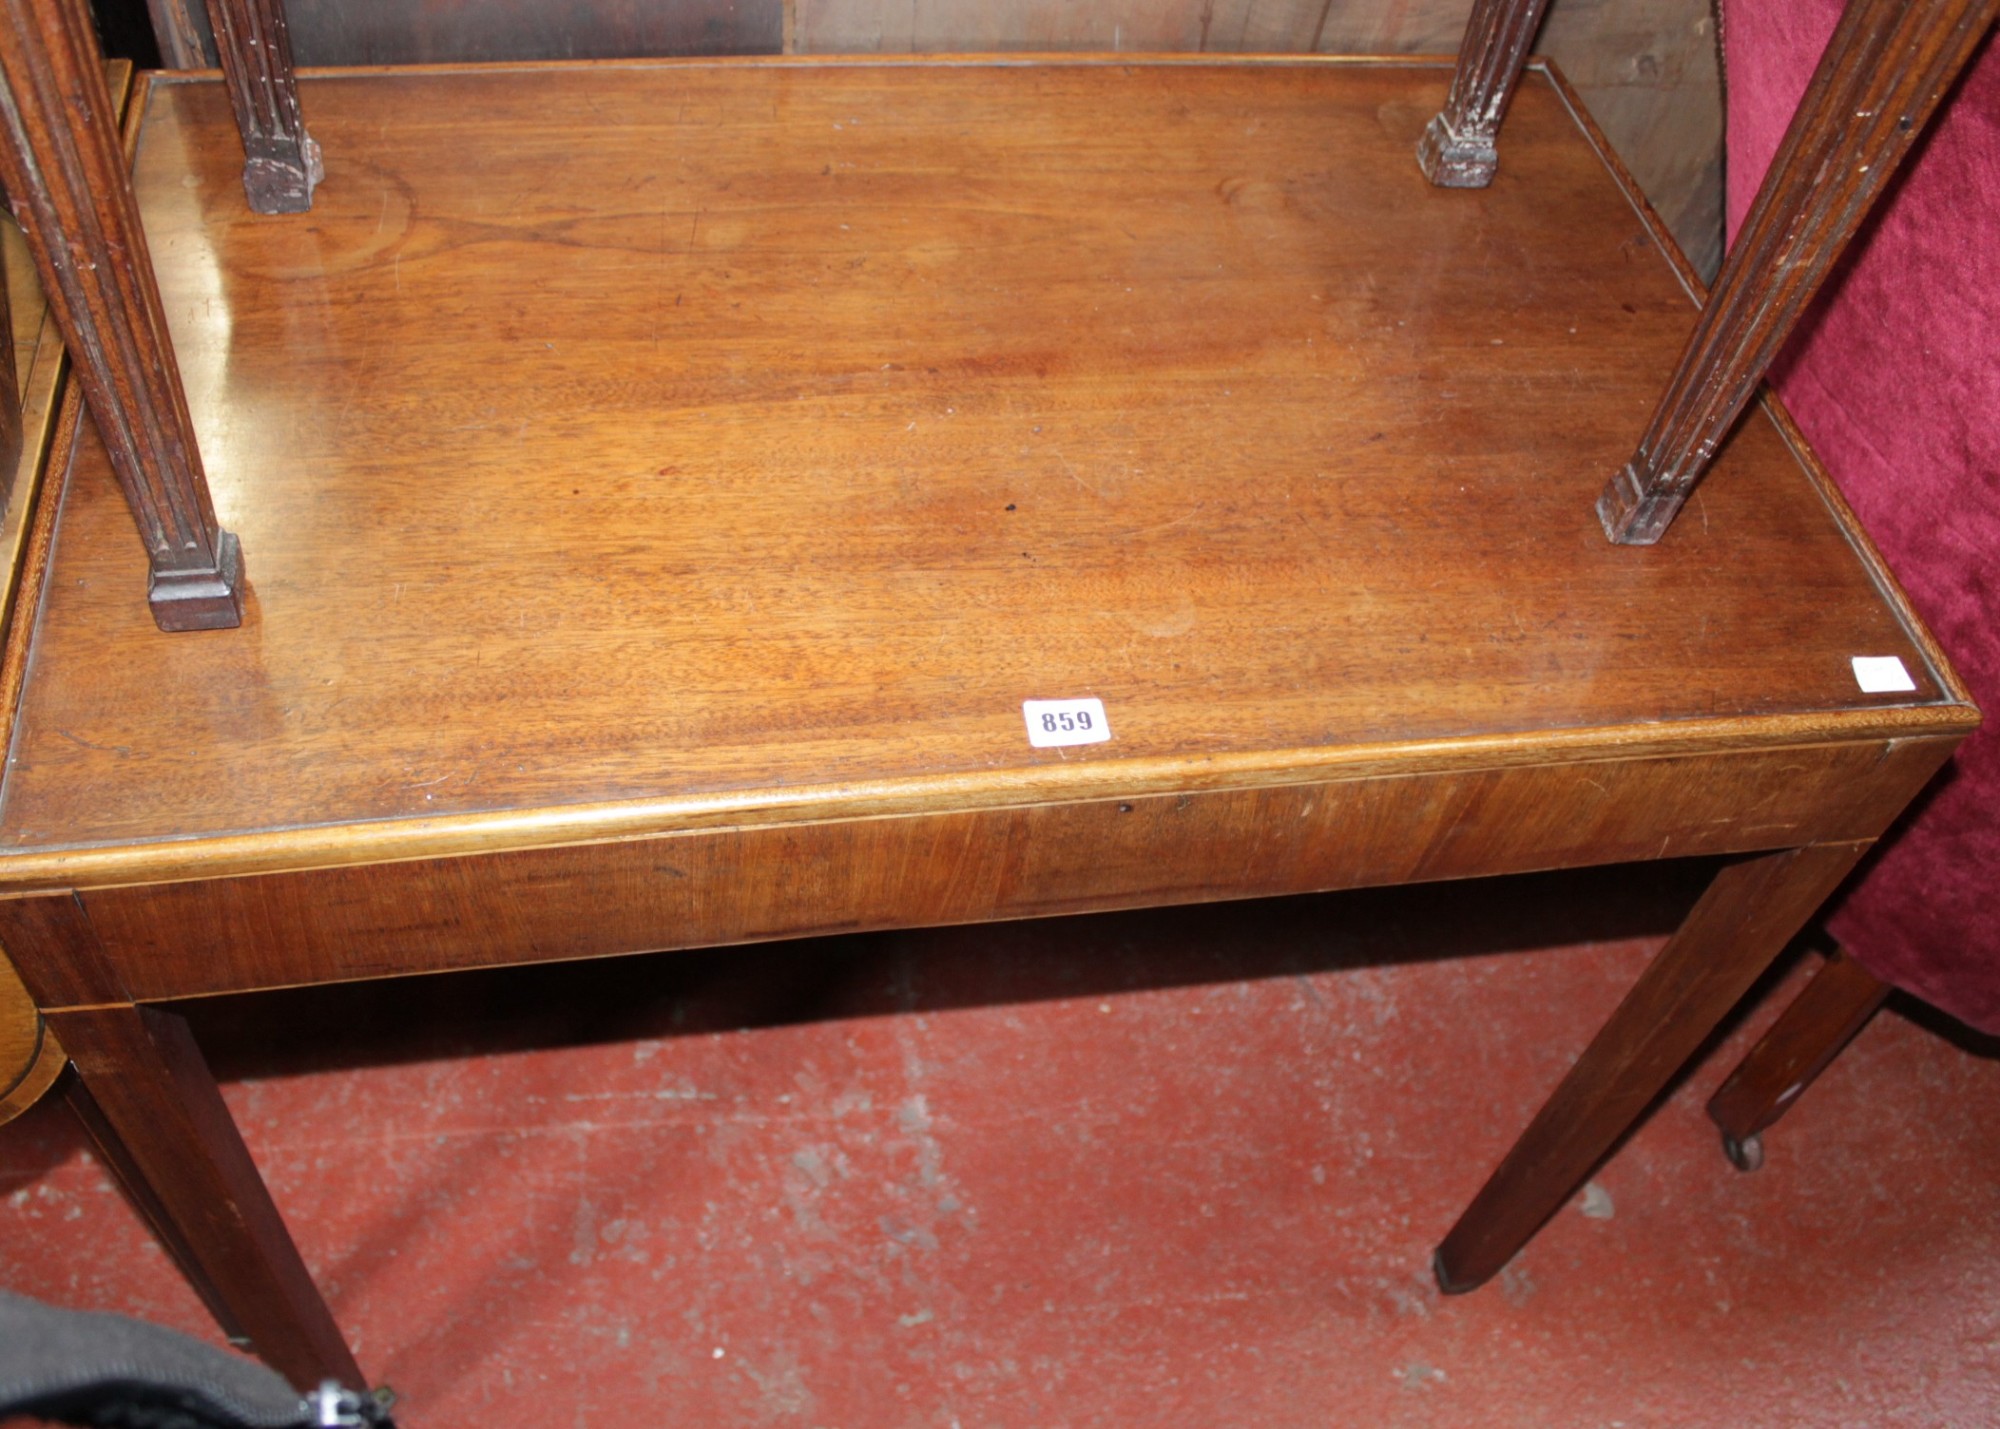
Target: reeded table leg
[(1457, 150), (1808, 1035), (1740, 924), (281, 162), (162, 1124), (1882, 75), (64, 170)]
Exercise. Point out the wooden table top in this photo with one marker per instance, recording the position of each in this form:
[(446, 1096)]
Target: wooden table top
[(619, 447)]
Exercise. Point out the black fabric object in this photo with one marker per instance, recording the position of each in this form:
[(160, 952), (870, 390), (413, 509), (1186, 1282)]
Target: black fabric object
[(83, 1368)]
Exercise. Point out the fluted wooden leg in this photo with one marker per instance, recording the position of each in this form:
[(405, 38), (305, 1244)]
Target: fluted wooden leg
[(1457, 150), (1881, 77), (64, 170), (281, 162), (157, 1115), (1750, 911), (174, 30), (1807, 1036)]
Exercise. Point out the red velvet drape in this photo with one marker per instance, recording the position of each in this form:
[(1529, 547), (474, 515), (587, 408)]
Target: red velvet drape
[(1895, 378)]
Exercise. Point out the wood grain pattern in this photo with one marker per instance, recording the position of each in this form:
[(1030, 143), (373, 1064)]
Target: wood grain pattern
[(1287, 481), (281, 163), (1649, 69), (56, 952), (1791, 1054), (225, 935), (1883, 73), (30, 1056), (168, 1128), (1741, 924), (64, 171)]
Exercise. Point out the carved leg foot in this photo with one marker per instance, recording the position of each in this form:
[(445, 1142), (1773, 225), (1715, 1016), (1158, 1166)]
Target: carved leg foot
[(1455, 161), (284, 183), (201, 600), (281, 162), (1457, 149)]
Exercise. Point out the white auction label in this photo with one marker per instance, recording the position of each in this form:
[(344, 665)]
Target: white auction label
[(1881, 675), (1057, 722)]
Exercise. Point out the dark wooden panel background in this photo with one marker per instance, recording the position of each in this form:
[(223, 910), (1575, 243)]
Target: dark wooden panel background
[(354, 32), (1647, 68)]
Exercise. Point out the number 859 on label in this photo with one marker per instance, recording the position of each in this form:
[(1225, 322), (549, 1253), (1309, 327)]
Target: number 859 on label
[(1052, 723)]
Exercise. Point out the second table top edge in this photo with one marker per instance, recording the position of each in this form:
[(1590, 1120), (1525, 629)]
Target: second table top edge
[(396, 840)]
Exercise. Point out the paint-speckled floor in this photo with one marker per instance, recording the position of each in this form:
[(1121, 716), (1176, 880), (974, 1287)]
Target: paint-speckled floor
[(1170, 1169)]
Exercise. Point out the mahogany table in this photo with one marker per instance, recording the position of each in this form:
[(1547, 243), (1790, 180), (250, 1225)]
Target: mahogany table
[(662, 485)]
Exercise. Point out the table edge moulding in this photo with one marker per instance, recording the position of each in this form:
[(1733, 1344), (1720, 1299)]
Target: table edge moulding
[(110, 922)]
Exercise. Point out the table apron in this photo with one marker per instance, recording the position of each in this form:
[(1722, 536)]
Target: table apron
[(717, 886)]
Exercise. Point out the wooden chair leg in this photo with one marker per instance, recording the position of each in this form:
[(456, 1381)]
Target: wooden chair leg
[(1808, 1035), (1457, 150), (174, 30), (148, 1097), (63, 167), (1732, 934), (1881, 77), (281, 162)]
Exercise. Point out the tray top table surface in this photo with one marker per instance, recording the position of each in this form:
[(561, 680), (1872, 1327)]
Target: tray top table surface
[(619, 446)]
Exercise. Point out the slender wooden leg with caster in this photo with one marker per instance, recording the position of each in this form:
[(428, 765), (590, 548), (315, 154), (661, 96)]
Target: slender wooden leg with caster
[(1883, 73), (1732, 934), (1457, 150), (148, 1097), (64, 170), (1808, 1035), (281, 162)]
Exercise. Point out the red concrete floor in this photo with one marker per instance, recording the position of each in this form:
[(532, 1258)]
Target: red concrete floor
[(1176, 1169)]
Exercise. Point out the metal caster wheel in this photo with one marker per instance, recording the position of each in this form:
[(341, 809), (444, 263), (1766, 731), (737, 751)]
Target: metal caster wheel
[(1744, 1155)]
